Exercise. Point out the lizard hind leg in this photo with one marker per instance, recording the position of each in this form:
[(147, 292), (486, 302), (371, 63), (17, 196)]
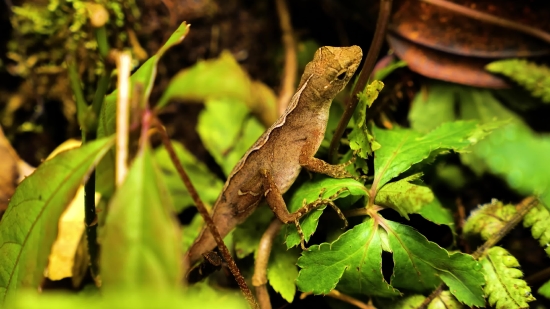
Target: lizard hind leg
[(275, 200), (320, 201)]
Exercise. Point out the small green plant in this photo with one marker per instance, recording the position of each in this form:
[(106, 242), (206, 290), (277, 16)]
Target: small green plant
[(142, 243)]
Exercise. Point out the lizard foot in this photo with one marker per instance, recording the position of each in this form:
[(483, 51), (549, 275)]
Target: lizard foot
[(317, 203)]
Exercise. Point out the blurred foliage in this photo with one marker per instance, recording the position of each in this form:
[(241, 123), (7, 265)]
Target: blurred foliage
[(533, 77)]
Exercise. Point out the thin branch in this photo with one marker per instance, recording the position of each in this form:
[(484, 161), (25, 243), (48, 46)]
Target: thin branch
[(345, 298), (523, 208), (288, 80), (205, 215), (491, 19), (123, 64), (368, 66), (259, 279)]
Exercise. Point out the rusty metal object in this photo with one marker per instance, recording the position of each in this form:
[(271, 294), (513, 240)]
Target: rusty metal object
[(442, 44), (439, 65)]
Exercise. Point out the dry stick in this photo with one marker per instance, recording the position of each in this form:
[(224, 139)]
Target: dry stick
[(524, 207), (205, 215), (123, 62), (368, 66), (343, 297), (491, 19), (259, 279), (290, 70)]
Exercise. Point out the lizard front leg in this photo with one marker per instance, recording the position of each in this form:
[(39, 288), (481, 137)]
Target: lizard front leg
[(275, 200), (313, 164)]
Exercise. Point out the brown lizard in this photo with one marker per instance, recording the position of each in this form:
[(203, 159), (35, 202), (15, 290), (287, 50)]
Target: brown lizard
[(270, 166)]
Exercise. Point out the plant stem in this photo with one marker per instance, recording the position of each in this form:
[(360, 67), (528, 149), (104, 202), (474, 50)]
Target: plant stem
[(81, 105), (90, 220), (205, 215), (368, 66), (290, 69), (102, 43), (259, 279)]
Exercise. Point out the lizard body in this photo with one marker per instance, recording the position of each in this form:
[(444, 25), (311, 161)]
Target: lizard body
[(270, 166)]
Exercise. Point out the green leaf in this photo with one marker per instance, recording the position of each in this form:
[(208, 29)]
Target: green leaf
[(282, 271), (360, 138), (205, 80), (200, 295), (420, 263), (535, 78), (537, 219), (433, 106), (354, 260), (140, 247), (227, 131), (144, 76), (544, 290), (207, 184), (208, 80), (401, 148), (520, 157), (489, 219), (388, 69), (406, 302), (504, 287), (407, 198), (29, 226), (309, 192)]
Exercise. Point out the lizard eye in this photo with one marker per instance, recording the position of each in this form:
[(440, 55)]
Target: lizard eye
[(341, 75)]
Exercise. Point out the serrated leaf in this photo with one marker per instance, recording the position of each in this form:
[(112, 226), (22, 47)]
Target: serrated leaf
[(309, 192), (140, 247), (29, 226), (445, 300), (537, 219), (353, 262), (504, 287), (432, 106), (533, 77), (144, 76), (407, 198), (207, 184), (282, 271), (360, 138), (419, 263), (401, 148), (489, 219), (227, 131)]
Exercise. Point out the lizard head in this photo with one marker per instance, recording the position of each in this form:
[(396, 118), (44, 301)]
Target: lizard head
[(332, 68)]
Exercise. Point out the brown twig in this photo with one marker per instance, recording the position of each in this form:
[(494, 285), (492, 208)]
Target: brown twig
[(368, 66), (491, 19), (523, 208), (205, 215), (345, 298), (259, 279), (288, 80)]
